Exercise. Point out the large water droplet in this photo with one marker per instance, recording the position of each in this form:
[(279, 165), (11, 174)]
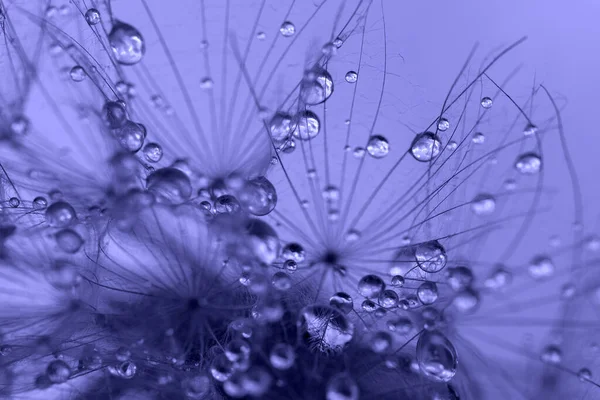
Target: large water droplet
[(370, 286), (325, 328), (431, 256), (58, 371), (127, 43), (342, 301), (483, 204), (281, 127), (282, 356), (528, 164), (378, 146), (316, 86), (425, 147), (258, 196), (170, 185), (427, 293), (436, 356), (308, 125), (60, 214)]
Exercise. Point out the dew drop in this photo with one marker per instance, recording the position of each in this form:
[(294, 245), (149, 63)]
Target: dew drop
[(388, 299), (342, 301), (541, 267), (466, 301), (170, 185), (478, 138), (342, 387), (370, 286), (584, 374), (316, 86), (398, 281), (551, 355), (486, 102), (528, 164), (131, 136), (431, 256), (326, 328), (39, 203), (443, 125), (258, 196), (127, 43), (77, 73), (308, 125), (60, 214), (483, 204), (282, 356), (281, 281), (206, 83), (281, 127), (293, 251), (530, 129), (499, 279), (69, 241), (351, 77), (459, 278), (436, 356), (153, 152), (58, 371), (381, 342), (427, 293), (425, 147), (378, 146), (92, 16), (287, 29)]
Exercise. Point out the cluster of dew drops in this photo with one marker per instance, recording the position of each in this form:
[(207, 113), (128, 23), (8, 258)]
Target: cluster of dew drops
[(436, 357)]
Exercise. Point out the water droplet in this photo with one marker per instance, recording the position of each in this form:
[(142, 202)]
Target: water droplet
[(221, 368), (131, 136), (127, 43), (290, 265), (281, 281), (170, 185), (368, 306), (402, 325), (60, 214), (351, 76), (326, 328), (530, 129), (58, 371), (316, 86), (282, 356), (431, 256), (436, 356), (342, 387), (281, 127), (258, 196), (425, 147), (478, 138), (352, 236), (263, 241), (378, 146), (62, 276), (381, 342), (499, 279), (466, 301), (92, 16), (293, 251), (77, 73), (541, 267), (69, 241), (388, 299), (584, 375), (227, 204), (483, 204), (443, 124), (359, 152), (261, 35), (528, 164), (370, 286), (195, 387), (427, 293), (551, 355), (14, 202), (459, 278), (342, 301), (19, 126), (397, 280), (153, 152), (486, 102), (206, 83), (114, 114), (308, 125), (39, 203), (287, 29)]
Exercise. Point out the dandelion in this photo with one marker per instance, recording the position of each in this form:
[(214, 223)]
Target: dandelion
[(266, 205)]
